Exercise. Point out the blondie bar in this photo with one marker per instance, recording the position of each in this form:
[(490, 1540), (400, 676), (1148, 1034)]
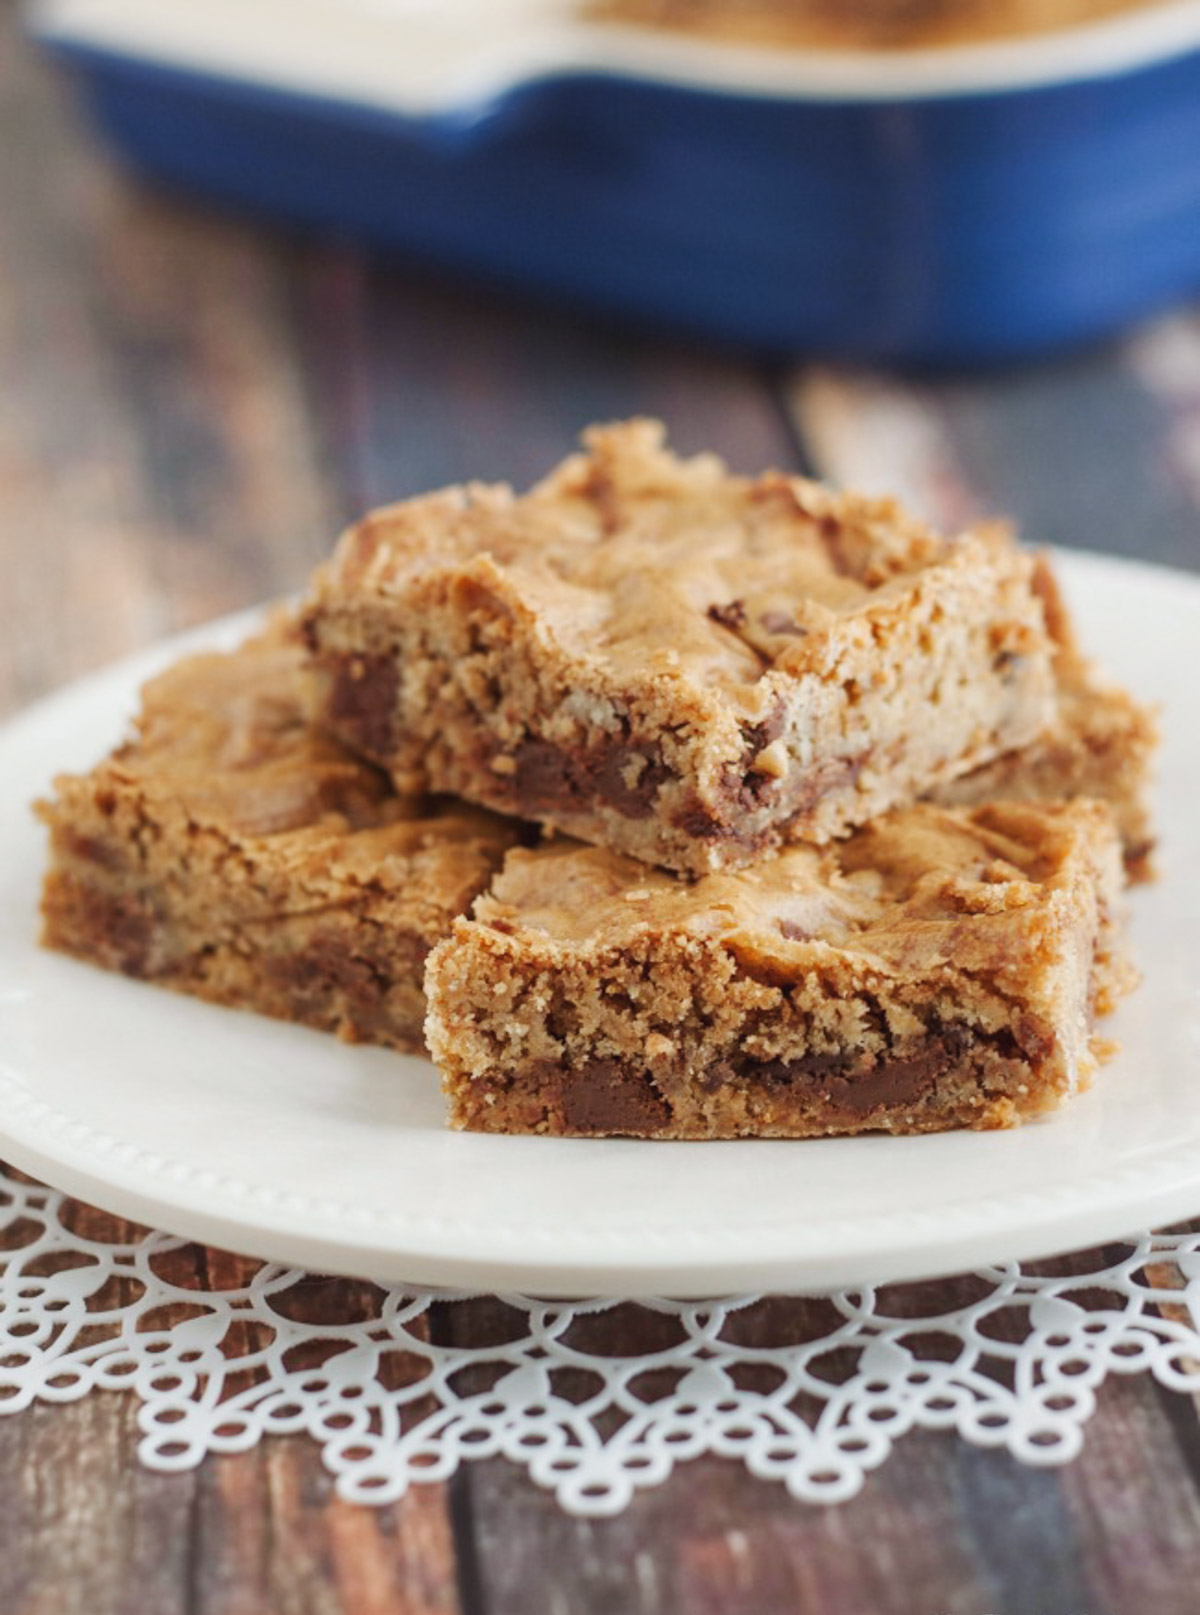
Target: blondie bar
[(231, 851), (672, 661), (860, 24), (938, 969)]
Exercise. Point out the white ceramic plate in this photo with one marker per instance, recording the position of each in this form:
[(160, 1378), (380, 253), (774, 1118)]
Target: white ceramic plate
[(279, 1142)]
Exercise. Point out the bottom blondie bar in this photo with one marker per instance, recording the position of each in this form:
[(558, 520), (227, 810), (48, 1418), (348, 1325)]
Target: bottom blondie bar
[(232, 852), (939, 969)]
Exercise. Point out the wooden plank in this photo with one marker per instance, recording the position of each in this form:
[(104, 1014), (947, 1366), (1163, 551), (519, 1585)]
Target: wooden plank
[(1100, 451), (81, 1521), (157, 456), (86, 1530), (82, 1525), (715, 1539), (419, 384)]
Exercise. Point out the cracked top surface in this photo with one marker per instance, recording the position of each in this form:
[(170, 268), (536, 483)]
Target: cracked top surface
[(655, 567), (915, 889)]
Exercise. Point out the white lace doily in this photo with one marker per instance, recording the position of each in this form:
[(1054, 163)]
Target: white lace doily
[(810, 1393)]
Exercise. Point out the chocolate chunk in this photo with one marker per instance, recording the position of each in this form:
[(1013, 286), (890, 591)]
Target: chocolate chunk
[(956, 1040), (894, 1083), (731, 616), (328, 979), (629, 780), (127, 929), (608, 1096), (118, 928), (716, 1076), (327, 965), (794, 932), (744, 789), (856, 1087), (554, 780), (811, 787), (543, 780), (362, 701), (805, 1070), (697, 820), (759, 735), (753, 787)]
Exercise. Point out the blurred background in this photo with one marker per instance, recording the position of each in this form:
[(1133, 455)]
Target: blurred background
[(232, 316)]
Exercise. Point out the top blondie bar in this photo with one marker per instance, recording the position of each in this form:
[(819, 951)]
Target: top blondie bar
[(672, 661)]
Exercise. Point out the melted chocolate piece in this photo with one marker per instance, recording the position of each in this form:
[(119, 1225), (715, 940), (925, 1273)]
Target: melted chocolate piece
[(329, 967), (746, 791), (731, 616), (856, 1088), (543, 781), (118, 927), (555, 780), (633, 796), (615, 1096), (760, 735), (609, 1096), (362, 700), (701, 823), (753, 787), (749, 789)]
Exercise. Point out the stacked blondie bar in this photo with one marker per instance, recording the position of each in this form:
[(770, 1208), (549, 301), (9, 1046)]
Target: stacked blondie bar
[(671, 803)]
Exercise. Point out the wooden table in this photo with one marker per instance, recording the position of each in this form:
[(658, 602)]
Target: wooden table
[(190, 406)]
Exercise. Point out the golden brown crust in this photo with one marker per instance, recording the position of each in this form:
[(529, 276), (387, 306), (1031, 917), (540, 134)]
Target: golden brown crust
[(689, 666)]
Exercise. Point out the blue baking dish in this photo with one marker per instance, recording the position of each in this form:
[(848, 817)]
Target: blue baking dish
[(967, 204)]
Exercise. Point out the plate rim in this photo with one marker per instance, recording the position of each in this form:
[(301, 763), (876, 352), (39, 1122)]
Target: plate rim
[(857, 1264), (40, 1138)]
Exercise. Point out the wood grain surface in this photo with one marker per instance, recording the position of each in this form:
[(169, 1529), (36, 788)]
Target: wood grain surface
[(190, 406)]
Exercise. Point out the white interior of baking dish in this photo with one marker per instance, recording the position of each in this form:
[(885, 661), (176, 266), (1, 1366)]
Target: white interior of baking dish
[(418, 57)]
